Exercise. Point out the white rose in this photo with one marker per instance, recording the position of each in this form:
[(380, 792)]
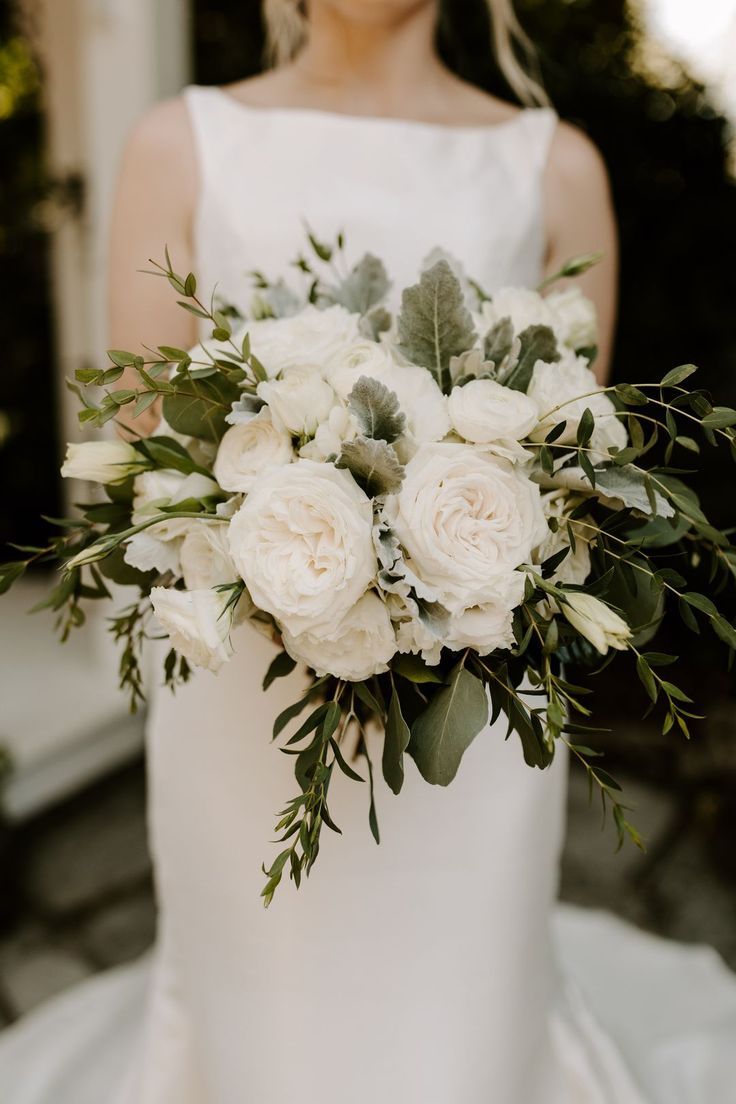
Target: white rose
[(562, 391), (361, 645), (484, 411), (597, 622), (363, 358), (522, 305), (196, 624), (575, 568), (205, 556), (299, 399), (303, 543), (465, 519), (576, 319), (339, 427), (249, 449), (421, 401), (101, 461), (489, 626), (313, 337)]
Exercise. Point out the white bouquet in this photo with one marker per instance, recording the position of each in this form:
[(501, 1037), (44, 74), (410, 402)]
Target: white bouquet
[(429, 512)]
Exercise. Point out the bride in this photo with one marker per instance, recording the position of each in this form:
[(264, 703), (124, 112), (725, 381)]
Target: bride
[(427, 969)]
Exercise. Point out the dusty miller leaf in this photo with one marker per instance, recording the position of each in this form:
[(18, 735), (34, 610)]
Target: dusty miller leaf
[(374, 465), (435, 324), (536, 343), (364, 287), (499, 341), (628, 484), (376, 410)]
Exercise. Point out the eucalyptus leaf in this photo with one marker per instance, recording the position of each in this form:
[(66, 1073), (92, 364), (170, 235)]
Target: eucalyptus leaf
[(434, 323), (395, 743), (629, 484), (199, 408), (373, 465), (441, 735)]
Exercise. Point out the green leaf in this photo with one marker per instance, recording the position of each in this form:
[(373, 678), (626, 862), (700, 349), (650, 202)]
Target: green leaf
[(629, 484), (198, 408), (169, 453), (413, 668), (446, 729), (499, 341), (700, 602), (585, 427), (377, 410), (122, 358), (721, 417), (537, 343), (374, 465), (434, 324), (677, 375), (395, 742), (632, 396), (115, 568), (646, 677), (280, 667), (10, 573), (365, 287), (725, 630)]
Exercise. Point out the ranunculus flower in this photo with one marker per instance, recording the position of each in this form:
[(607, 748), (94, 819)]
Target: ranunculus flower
[(576, 319), (466, 519), (483, 411), (522, 305), (313, 336), (571, 382), (362, 358), (205, 556), (361, 645), (101, 461), (299, 399), (196, 623), (597, 622), (249, 449), (302, 541)]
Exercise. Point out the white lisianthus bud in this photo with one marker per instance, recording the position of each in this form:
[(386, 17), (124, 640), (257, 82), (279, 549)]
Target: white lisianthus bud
[(361, 645), (299, 400), (575, 317), (331, 434), (101, 461), (196, 624), (596, 621), (251, 448)]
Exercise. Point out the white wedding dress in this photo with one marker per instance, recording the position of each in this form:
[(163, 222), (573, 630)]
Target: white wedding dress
[(434, 968)]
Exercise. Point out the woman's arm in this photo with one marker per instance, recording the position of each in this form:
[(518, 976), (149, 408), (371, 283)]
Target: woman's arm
[(154, 207), (579, 218)]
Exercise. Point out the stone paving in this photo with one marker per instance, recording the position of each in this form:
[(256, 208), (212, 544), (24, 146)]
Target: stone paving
[(79, 883)]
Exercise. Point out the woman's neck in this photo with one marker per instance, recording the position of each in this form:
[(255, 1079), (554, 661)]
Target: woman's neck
[(386, 68)]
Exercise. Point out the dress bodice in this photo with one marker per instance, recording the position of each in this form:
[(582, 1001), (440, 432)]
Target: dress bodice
[(397, 188)]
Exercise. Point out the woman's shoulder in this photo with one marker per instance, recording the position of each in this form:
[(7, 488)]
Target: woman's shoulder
[(164, 129)]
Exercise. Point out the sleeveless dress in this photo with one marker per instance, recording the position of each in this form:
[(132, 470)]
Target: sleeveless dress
[(435, 967)]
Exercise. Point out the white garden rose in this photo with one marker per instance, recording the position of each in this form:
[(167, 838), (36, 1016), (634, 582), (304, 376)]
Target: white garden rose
[(361, 645), (249, 449), (205, 556), (484, 411), (311, 337), (522, 305), (597, 622), (562, 391), (101, 461), (576, 319), (196, 623), (362, 358), (299, 399), (302, 541), (465, 519), (340, 426), (488, 626)]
